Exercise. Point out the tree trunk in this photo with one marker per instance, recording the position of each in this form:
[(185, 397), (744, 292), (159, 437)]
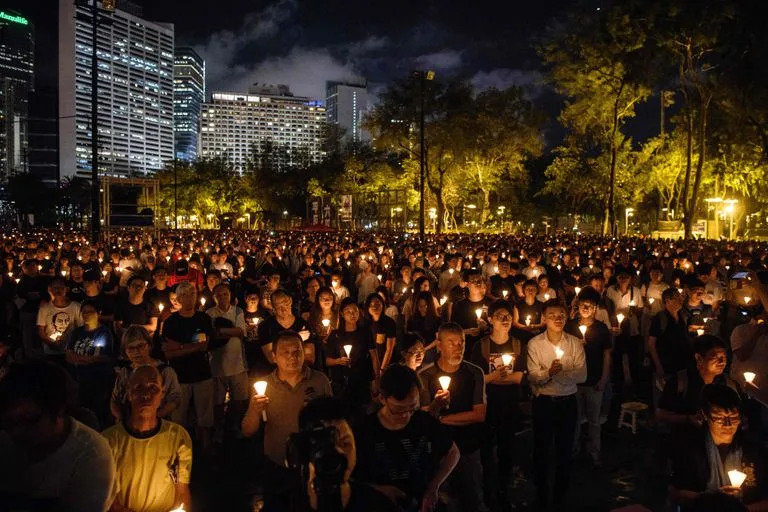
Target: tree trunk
[(702, 140), (609, 223)]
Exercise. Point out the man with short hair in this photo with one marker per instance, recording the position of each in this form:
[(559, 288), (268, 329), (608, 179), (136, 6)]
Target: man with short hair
[(668, 342), (50, 461), (403, 451), (461, 408), (289, 387), (135, 309), (153, 456), (464, 312), (56, 320), (556, 365)]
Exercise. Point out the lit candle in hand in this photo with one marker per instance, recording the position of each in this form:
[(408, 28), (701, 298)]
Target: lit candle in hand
[(528, 321), (583, 329), (507, 359), (620, 318), (202, 301), (559, 353), (737, 477), (161, 307), (348, 349), (479, 313), (180, 509), (749, 377), (443, 300), (261, 388), (504, 293), (445, 382), (578, 290)]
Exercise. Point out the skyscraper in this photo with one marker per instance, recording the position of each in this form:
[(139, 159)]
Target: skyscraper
[(188, 98), (16, 82), (233, 124), (345, 104), (135, 92)]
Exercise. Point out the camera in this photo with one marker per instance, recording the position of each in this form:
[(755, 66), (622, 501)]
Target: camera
[(317, 445)]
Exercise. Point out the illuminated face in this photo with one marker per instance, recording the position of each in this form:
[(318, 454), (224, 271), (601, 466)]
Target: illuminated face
[(451, 346), (145, 392), (326, 301), (723, 424), (282, 306), (313, 286), (587, 309), (137, 351), (501, 318), (289, 355), (188, 299), (714, 361), (399, 412), (422, 307), (222, 295), (351, 314), (555, 319), (414, 356), (376, 307), (530, 291)]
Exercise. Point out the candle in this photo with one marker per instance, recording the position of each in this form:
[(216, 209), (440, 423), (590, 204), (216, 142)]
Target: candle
[(583, 329), (546, 296), (528, 320), (39, 268), (348, 349), (737, 477), (559, 353), (161, 307), (445, 381), (379, 277), (651, 300), (699, 332), (255, 320), (260, 386), (747, 299), (18, 280), (63, 273), (632, 303), (749, 377), (496, 269), (451, 271), (620, 318), (504, 293), (479, 313), (349, 263), (405, 289), (506, 359), (443, 300), (180, 509), (578, 290), (103, 272), (558, 267), (202, 301)]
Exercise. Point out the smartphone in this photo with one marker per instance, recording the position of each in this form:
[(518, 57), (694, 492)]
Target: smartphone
[(740, 275)]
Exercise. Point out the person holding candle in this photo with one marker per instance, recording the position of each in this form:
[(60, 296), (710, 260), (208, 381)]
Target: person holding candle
[(713, 458), (404, 452), (545, 292), (462, 408), (556, 364), (502, 281), (289, 387), (383, 329), (669, 347), (527, 320), (627, 302), (56, 319), (502, 359), (464, 312), (153, 455), (135, 309), (284, 319), (160, 292), (596, 338)]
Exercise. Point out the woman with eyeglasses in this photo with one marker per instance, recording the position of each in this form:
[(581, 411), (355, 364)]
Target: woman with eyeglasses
[(136, 346)]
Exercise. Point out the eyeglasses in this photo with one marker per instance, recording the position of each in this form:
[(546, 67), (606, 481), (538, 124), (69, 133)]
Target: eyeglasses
[(502, 318), (725, 420)]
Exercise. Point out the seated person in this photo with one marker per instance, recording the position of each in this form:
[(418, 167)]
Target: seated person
[(153, 456), (50, 461), (702, 460)]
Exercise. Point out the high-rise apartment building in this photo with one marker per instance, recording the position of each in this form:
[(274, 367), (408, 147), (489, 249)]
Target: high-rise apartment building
[(233, 124), (135, 92), (346, 104), (16, 82), (188, 99)]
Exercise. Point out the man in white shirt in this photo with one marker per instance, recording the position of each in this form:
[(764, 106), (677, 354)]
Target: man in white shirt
[(228, 367), (556, 364)]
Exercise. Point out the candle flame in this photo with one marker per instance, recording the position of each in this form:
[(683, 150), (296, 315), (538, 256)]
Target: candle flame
[(260, 386), (445, 381), (749, 377), (348, 349), (506, 359), (737, 477)]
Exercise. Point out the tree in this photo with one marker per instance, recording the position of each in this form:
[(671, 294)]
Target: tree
[(598, 64)]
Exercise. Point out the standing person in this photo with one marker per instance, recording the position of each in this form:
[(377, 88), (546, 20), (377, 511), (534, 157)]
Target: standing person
[(50, 460), (153, 455), (627, 301), (502, 384), (56, 320), (135, 309), (668, 343), (186, 335), (352, 374), (404, 452), (462, 408), (528, 319), (228, 357), (464, 312), (284, 320), (597, 350), (137, 346), (366, 282), (383, 330), (30, 291), (554, 383), (160, 293), (91, 353)]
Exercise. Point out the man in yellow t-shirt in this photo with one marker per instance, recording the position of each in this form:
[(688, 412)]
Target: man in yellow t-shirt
[(153, 456)]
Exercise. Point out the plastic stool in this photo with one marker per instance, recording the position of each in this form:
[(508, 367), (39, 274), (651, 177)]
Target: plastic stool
[(632, 409)]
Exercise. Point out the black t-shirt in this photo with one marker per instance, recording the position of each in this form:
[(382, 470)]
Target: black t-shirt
[(406, 458), (103, 303), (270, 328), (672, 342), (157, 297), (464, 314), (134, 314), (487, 356), (525, 310), (598, 340), (682, 392), (193, 367), (361, 367), (254, 355), (467, 389), (76, 291), (499, 284), (382, 330), (364, 498)]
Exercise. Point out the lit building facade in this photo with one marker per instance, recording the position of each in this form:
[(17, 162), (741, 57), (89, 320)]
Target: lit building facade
[(17, 73), (346, 104), (135, 92), (188, 98), (233, 124)]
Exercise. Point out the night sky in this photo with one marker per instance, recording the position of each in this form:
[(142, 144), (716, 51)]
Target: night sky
[(303, 43)]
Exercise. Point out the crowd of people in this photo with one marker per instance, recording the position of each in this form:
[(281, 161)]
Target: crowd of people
[(366, 372)]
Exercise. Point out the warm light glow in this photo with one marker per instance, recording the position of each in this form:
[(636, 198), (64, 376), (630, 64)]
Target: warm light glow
[(583, 329), (699, 332), (326, 323), (451, 271), (479, 313), (443, 300), (749, 377), (528, 320), (651, 300), (737, 477), (445, 382), (348, 349), (180, 509), (559, 353), (260, 386), (202, 301), (504, 293), (546, 296), (747, 299), (255, 320), (506, 359), (620, 318), (578, 290), (161, 307)]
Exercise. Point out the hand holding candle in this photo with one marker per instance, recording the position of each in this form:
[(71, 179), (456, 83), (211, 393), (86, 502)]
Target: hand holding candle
[(479, 313), (260, 386), (559, 353), (737, 478), (749, 377), (583, 329), (620, 318), (348, 350), (507, 359), (445, 382)]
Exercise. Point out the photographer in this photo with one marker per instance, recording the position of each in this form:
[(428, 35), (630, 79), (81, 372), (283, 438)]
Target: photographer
[(404, 452), (325, 453)]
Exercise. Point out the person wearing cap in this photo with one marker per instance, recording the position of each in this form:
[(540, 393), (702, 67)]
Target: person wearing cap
[(182, 273), (556, 365)]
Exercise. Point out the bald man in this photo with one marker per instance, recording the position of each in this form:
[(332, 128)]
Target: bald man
[(153, 456)]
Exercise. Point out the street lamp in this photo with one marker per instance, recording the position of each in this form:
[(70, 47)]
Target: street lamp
[(627, 214), (729, 210)]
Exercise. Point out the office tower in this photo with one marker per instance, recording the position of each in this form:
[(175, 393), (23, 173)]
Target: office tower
[(233, 124), (188, 98), (16, 83), (346, 104), (135, 92)]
